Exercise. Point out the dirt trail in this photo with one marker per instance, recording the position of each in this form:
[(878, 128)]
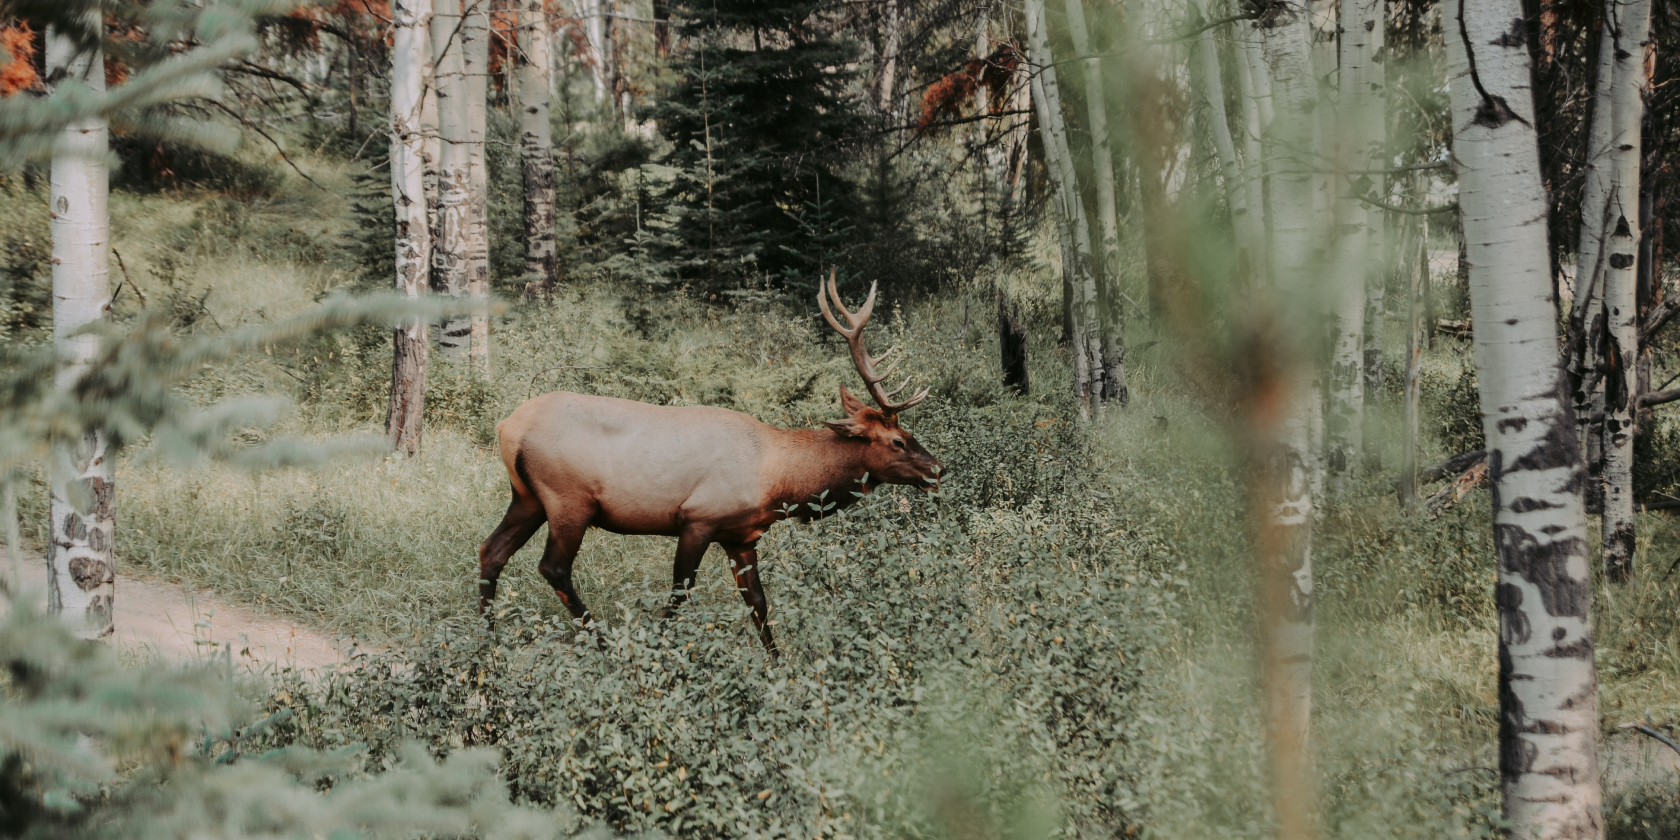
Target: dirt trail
[(177, 623)]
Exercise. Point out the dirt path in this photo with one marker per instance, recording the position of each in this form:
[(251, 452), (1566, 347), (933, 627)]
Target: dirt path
[(177, 623)]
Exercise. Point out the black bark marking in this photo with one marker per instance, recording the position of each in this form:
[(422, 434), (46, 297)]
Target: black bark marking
[(1621, 261), (88, 573), (1615, 383), (1494, 111), (1527, 504), (1542, 564), (1622, 228), (1516, 754), (1513, 625), (1512, 424), (1513, 38), (1579, 649)]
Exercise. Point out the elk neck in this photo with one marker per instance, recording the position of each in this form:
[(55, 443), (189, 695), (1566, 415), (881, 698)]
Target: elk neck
[(810, 461)]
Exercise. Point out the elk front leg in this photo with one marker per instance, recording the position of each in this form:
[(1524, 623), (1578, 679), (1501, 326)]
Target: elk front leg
[(691, 549), (744, 559)]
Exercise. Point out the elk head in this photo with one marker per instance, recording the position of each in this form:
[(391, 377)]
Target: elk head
[(893, 455)]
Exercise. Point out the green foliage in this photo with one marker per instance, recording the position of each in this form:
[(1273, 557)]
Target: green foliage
[(91, 749), (1454, 406), (755, 133), (1646, 812)]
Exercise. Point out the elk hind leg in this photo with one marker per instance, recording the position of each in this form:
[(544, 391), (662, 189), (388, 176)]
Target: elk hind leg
[(524, 516), (565, 536)]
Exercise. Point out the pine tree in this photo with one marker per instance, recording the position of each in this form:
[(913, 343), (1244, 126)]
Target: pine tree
[(756, 116)]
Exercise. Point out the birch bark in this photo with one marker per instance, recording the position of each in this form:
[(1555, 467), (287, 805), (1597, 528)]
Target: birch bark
[(1353, 257), (1245, 217), (1248, 47), (1285, 574), (81, 580), (410, 62), (1548, 691), (536, 143), (1632, 28), (450, 245), (1587, 315), (1113, 354), (475, 58), (1419, 277), (1372, 111), (1087, 340)]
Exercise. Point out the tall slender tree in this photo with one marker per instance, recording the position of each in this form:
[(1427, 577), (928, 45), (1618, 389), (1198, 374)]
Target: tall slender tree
[(1630, 21), (1548, 688), (1586, 316), (411, 59), (536, 145), (1112, 357), (450, 247), (1371, 109), (475, 70), (1288, 455), (1077, 266), (81, 582)]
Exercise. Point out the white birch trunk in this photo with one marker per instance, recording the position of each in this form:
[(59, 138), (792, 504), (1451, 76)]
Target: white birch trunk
[(1372, 110), (1419, 276), (475, 56), (536, 143), (1244, 216), (1352, 254), (411, 55), (1589, 268), (81, 581), (449, 247), (1621, 283), (1548, 689), (1286, 556), (886, 81), (1087, 339), (431, 142), (1248, 46), (1112, 356), (590, 11)]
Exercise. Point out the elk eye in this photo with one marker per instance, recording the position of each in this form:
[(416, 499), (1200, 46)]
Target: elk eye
[(898, 443)]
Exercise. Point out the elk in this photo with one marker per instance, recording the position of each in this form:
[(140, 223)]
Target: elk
[(701, 474)]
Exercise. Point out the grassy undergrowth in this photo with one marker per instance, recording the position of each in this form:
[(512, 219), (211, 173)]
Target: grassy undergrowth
[(1061, 641)]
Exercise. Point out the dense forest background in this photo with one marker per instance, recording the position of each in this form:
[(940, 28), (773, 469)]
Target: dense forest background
[(1060, 642)]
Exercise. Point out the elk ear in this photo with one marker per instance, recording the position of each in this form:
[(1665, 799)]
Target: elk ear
[(849, 427), (850, 404)]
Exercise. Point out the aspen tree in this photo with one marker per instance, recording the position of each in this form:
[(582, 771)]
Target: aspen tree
[(410, 62), (450, 261), (1353, 258), (1630, 20), (81, 580), (1087, 339), (1548, 688), (1112, 357), (1250, 64), (475, 59), (1245, 217), (536, 144), (1587, 310), (1371, 109), (1289, 455), (886, 78)]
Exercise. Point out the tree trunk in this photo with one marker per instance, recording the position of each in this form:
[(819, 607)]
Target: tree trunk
[(1548, 688), (1352, 255), (536, 143), (81, 581), (1621, 284), (1248, 46), (1012, 343), (662, 28), (1087, 338), (450, 261), (886, 74), (475, 58), (1586, 315), (1373, 113), (411, 56), (594, 30), (1112, 356), (1285, 574), (1418, 276), (1245, 218)]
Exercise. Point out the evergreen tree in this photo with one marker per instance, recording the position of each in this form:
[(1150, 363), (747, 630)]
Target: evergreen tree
[(756, 115)]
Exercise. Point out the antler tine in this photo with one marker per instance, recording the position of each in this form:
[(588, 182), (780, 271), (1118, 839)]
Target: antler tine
[(822, 301), (920, 395), (887, 374)]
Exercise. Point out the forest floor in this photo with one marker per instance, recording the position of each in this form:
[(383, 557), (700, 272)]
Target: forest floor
[(181, 624)]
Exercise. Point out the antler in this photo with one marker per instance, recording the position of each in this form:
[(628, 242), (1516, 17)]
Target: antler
[(860, 356)]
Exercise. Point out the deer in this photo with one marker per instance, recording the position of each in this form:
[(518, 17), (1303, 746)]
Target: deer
[(701, 474)]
